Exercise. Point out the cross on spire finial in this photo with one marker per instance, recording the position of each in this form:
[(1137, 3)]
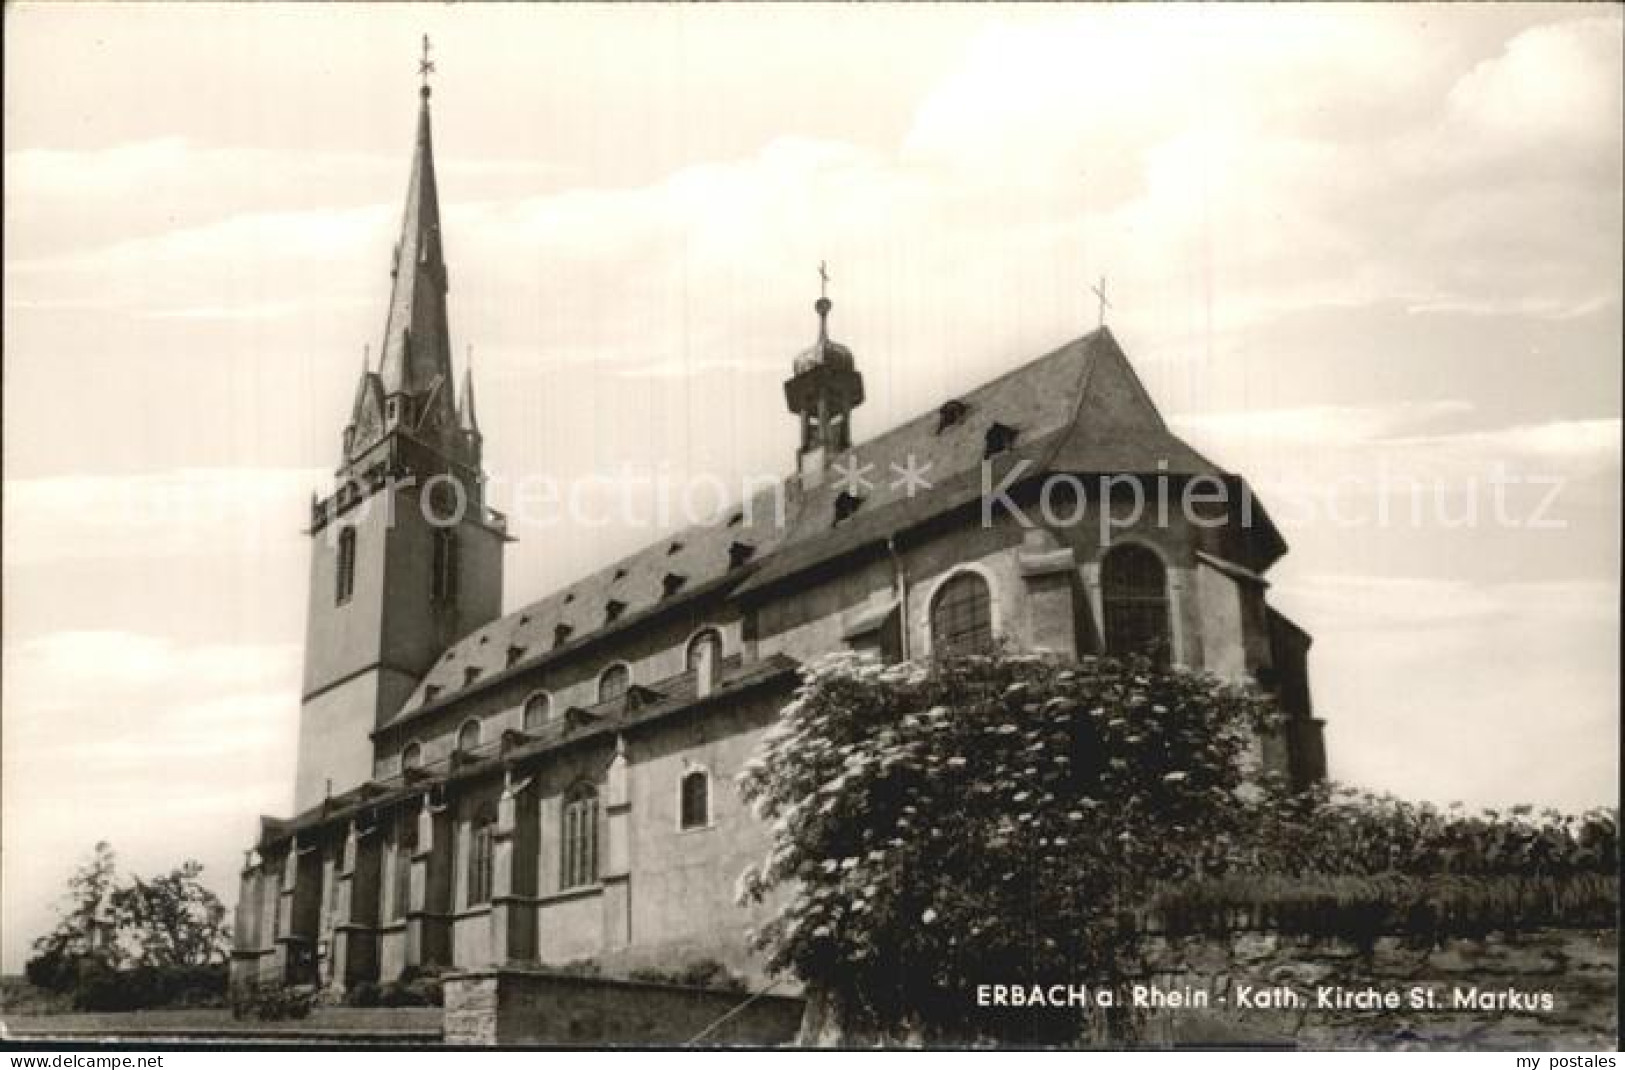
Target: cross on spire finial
[(1103, 304), (823, 304), (425, 65)]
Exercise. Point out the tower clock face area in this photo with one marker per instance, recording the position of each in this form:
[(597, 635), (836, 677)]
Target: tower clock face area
[(448, 501)]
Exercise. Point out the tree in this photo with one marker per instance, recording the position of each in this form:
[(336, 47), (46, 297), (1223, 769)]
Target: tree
[(134, 942), (173, 920), (989, 820), (85, 929)]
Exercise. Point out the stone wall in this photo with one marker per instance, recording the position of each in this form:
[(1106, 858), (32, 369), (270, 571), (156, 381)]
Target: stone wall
[(486, 1008), (1545, 989)]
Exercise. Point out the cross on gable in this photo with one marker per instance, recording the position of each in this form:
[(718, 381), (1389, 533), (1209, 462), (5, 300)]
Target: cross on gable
[(1100, 292)]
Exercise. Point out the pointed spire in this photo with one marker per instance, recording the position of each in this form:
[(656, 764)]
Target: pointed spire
[(466, 418), (361, 388), (417, 343)]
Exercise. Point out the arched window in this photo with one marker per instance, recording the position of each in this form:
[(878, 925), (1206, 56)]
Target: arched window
[(1134, 601), (962, 616), (694, 801), (445, 567), (344, 571), (613, 684), (468, 736), (412, 756), (578, 839), (707, 641), (480, 830), (538, 710), (406, 844)]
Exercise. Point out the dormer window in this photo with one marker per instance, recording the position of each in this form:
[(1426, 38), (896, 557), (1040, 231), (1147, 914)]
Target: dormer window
[(561, 634), (1000, 437), (739, 553), (737, 519), (673, 548), (538, 711), (613, 610), (431, 693), (620, 574), (514, 654), (845, 505), (672, 584), (470, 674), (951, 413), (614, 682)]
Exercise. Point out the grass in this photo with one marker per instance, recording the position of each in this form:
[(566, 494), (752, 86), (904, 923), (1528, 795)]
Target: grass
[(412, 1024)]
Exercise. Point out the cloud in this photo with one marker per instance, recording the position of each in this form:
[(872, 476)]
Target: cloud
[(1402, 167), (1443, 689), (184, 513), (1571, 444), (1330, 445), (301, 235), (1338, 425), (165, 749), (264, 310), (71, 198), (1549, 88), (685, 369), (1393, 169)]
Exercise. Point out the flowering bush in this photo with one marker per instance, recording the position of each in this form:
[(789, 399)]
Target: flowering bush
[(1018, 820), (989, 820), (1421, 910), (1334, 861), (1338, 829)]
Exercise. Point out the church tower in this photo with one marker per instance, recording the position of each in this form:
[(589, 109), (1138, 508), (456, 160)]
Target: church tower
[(823, 391), (405, 556)]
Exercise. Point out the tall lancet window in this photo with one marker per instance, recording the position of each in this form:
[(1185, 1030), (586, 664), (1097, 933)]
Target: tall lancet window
[(344, 570), (578, 840), (694, 800), (1134, 599), (445, 566), (480, 834), (962, 616), (406, 844)]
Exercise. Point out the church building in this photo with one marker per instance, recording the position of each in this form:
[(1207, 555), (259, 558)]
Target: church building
[(554, 785)]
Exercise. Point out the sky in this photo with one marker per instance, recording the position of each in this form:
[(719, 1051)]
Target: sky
[(1367, 256)]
